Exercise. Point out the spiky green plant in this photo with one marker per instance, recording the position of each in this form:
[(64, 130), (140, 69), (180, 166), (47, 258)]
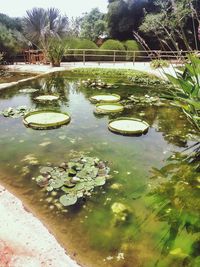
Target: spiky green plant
[(40, 25), (57, 49), (187, 89)]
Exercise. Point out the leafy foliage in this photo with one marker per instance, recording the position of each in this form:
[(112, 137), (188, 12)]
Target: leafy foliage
[(158, 63), (40, 25), (124, 17), (93, 25), (11, 41), (172, 25), (187, 93), (112, 45), (56, 51)]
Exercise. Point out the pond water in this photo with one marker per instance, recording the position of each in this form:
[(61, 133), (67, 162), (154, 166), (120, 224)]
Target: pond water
[(9, 76), (158, 185)]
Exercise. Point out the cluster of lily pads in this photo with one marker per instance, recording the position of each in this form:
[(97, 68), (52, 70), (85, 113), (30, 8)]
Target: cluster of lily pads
[(74, 179), (143, 101), (96, 84), (108, 103), (17, 112), (150, 81)]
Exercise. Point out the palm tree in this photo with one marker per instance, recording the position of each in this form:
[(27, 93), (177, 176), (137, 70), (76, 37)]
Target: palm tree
[(41, 25)]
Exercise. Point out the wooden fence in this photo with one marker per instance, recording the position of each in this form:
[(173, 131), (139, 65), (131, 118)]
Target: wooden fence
[(114, 56), (97, 55)]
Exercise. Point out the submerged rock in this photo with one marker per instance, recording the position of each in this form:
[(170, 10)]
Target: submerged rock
[(120, 211)]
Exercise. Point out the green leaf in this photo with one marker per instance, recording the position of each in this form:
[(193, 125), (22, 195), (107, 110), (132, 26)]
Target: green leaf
[(68, 200)]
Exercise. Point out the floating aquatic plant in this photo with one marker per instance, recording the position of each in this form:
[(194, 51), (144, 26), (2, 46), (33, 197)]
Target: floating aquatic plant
[(74, 179), (110, 98), (28, 90), (104, 108), (128, 126), (96, 84), (16, 112), (46, 98), (143, 101), (46, 119)]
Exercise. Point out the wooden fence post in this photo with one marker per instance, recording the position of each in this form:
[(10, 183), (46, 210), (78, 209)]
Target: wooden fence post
[(133, 57), (114, 57), (83, 57)]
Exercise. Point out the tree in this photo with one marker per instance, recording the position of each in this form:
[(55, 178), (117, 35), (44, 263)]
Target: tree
[(11, 23), (12, 40), (93, 25), (41, 25), (124, 16), (173, 24)]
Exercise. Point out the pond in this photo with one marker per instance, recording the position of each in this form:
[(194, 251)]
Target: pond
[(151, 177)]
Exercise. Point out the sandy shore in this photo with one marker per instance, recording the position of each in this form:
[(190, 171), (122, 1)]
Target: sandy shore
[(24, 240)]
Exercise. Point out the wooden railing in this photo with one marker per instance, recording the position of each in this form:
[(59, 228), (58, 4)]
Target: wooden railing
[(97, 55)]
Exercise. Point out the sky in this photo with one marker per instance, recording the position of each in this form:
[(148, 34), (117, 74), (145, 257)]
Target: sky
[(71, 8)]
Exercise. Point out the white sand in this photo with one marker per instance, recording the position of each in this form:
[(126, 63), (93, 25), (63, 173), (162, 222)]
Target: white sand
[(24, 240)]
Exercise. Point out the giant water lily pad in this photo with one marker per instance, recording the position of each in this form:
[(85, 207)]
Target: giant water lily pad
[(46, 98), (45, 119), (128, 126), (104, 108), (28, 90), (74, 179), (105, 98)]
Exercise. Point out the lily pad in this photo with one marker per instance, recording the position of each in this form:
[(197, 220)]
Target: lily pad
[(68, 200), (110, 98), (45, 119), (128, 126), (16, 112), (46, 98), (104, 108), (28, 90), (99, 181)]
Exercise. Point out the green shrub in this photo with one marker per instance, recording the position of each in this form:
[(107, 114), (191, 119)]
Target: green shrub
[(131, 45), (71, 43), (159, 63), (112, 45), (84, 44)]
